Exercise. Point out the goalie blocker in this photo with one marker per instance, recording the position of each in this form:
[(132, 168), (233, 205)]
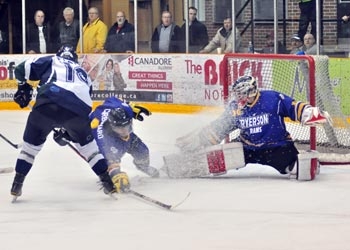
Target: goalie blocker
[(218, 159)]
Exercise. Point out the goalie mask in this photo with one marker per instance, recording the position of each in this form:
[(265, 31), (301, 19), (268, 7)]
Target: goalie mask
[(244, 90), (67, 52), (120, 122)]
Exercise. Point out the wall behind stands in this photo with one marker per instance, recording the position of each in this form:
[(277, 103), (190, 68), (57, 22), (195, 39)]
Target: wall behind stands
[(165, 82)]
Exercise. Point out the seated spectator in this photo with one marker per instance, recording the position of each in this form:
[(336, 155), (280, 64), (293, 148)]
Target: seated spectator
[(166, 37), (69, 30), (121, 36), (94, 33), (310, 46), (270, 45), (223, 40), (38, 35), (198, 34), (297, 44)]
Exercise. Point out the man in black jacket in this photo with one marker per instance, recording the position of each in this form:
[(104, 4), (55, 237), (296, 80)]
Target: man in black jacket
[(38, 35), (166, 37), (121, 36), (198, 34)]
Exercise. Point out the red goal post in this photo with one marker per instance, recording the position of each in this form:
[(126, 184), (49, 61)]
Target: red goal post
[(305, 78)]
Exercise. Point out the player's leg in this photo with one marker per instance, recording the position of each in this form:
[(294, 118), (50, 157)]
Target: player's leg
[(285, 160), (36, 130), (78, 128), (140, 152), (213, 160)]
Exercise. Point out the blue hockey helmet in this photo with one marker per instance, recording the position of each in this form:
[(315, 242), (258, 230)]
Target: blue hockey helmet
[(120, 122), (67, 52), (244, 88)]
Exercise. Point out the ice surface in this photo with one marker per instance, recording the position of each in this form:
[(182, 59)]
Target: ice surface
[(253, 208)]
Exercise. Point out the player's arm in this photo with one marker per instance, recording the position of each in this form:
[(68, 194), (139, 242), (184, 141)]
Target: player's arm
[(303, 112), (24, 92)]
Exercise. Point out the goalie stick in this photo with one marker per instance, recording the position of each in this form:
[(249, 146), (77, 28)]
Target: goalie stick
[(137, 194)]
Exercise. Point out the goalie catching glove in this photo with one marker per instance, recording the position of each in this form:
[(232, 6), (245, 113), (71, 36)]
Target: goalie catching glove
[(313, 116), (120, 180), (138, 111), (23, 95)]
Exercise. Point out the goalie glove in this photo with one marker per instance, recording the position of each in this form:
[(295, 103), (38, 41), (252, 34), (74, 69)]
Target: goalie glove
[(138, 111), (23, 95), (120, 180), (313, 116)]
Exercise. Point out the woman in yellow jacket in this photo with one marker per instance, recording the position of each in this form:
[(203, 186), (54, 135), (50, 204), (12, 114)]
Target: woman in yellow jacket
[(94, 33)]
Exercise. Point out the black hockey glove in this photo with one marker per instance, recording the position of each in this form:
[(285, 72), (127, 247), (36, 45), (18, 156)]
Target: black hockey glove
[(61, 137), (138, 111), (23, 95)]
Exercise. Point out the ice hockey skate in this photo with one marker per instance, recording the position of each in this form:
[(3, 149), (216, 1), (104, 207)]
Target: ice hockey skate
[(17, 184)]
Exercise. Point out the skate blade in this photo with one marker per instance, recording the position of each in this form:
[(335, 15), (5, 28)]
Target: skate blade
[(14, 199)]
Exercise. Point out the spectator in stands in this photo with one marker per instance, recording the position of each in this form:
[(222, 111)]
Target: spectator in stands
[(94, 33), (198, 34), (307, 16), (310, 46), (166, 37), (297, 44), (270, 45), (121, 36), (69, 30), (38, 35), (223, 39)]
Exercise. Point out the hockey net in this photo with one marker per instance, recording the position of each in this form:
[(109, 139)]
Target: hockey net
[(305, 78)]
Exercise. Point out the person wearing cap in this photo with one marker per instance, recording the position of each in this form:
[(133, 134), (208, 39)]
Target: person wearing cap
[(297, 44)]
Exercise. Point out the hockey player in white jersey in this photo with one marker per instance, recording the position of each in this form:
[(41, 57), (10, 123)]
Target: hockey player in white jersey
[(259, 116), (63, 101)]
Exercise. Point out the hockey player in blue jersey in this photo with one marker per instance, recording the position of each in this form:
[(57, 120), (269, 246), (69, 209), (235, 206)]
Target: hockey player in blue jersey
[(63, 100), (112, 126), (259, 116)]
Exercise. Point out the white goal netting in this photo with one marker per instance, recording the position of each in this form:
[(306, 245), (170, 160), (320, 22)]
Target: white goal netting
[(304, 78)]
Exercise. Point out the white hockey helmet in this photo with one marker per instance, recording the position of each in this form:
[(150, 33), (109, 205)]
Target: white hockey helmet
[(244, 88)]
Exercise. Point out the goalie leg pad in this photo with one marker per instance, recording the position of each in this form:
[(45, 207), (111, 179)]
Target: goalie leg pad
[(307, 166), (213, 160)]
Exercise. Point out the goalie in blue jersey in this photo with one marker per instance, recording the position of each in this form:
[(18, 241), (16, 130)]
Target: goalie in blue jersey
[(259, 117), (63, 101), (112, 126)]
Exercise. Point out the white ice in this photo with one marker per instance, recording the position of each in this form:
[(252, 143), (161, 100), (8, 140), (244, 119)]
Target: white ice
[(254, 208)]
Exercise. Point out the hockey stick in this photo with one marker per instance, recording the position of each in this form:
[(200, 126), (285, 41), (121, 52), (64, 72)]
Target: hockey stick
[(130, 191), (9, 142)]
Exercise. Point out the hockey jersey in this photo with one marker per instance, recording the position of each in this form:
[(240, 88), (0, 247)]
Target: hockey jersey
[(61, 81), (262, 123), (110, 144)]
